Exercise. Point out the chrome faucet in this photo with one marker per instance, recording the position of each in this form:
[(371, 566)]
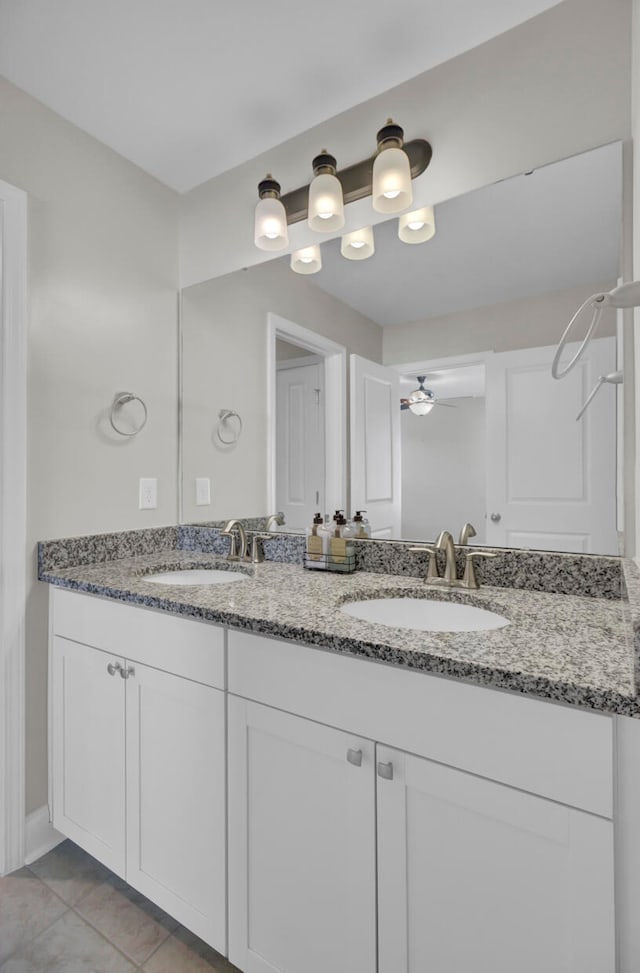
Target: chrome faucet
[(276, 520), (467, 531), (227, 531), (450, 577), (445, 543)]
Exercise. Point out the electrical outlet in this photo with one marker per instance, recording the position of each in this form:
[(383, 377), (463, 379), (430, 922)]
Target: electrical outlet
[(203, 491), (148, 496)]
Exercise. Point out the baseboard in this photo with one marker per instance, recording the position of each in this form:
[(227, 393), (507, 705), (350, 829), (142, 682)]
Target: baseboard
[(40, 835)]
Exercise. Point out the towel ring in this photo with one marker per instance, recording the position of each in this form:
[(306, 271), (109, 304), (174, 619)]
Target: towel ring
[(223, 416), (120, 399)]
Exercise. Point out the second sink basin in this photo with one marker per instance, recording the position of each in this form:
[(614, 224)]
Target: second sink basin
[(190, 576), (425, 615)]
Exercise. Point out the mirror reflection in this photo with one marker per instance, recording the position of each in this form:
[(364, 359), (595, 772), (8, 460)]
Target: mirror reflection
[(469, 319)]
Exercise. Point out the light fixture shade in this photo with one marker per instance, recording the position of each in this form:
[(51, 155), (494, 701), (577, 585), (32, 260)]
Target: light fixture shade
[(417, 227), (271, 231), (358, 245), (392, 190), (307, 261), (421, 402), (326, 205)]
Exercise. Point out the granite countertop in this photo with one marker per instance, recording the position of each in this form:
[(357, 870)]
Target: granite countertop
[(569, 648)]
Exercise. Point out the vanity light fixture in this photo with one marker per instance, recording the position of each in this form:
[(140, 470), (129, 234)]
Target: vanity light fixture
[(358, 245), (326, 205), (388, 174), (392, 190), (307, 261), (417, 227), (270, 231)]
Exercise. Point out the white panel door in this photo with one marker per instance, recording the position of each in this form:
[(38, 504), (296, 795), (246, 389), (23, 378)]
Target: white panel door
[(376, 445), (300, 468), (301, 845), (176, 798), (476, 876), (551, 481), (88, 726)]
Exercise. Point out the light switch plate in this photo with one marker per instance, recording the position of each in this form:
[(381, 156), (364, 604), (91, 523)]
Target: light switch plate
[(148, 496), (203, 491)]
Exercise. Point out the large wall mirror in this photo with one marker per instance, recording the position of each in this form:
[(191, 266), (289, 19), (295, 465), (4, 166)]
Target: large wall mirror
[(475, 312)]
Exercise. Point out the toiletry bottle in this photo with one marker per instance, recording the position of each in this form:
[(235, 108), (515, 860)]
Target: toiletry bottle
[(315, 548), (361, 524), (326, 533), (338, 544)]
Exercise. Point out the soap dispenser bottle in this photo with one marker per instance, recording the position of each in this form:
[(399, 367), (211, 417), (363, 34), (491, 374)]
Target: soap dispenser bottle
[(341, 550), (316, 542), (361, 524)]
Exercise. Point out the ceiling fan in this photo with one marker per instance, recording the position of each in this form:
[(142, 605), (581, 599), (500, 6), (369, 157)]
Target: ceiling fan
[(421, 401)]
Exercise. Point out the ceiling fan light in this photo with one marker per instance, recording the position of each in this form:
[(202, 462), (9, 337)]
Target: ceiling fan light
[(270, 223), (422, 400), (392, 190), (417, 227), (358, 245), (307, 261)]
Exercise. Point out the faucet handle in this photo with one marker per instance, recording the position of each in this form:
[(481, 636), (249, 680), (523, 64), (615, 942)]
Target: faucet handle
[(233, 550), (432, 570), (257, 550), (469, 579)]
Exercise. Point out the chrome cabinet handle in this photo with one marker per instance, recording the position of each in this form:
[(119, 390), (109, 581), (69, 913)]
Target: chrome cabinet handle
[(112, 668), (129, 671), (496, 518), (354, 757), (385, 770)]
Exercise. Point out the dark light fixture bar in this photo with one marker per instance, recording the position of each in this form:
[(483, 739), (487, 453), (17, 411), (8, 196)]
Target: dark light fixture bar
[(357, 180)]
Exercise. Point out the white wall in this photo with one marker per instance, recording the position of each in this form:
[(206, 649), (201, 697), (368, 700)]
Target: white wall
[(225, 366), (103, 273), (550, 88), (526, 323), (443, 470)]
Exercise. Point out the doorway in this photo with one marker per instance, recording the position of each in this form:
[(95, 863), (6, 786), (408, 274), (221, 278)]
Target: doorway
[(326, 361)]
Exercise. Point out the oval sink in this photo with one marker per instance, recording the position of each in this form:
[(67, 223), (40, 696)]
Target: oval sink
[(425, 615), (194, 576)]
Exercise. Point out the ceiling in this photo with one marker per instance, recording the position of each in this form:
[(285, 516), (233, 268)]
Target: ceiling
[(554, 229), (187, 89)]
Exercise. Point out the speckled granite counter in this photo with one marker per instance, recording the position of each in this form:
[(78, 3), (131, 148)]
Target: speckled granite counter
[(574, 649)]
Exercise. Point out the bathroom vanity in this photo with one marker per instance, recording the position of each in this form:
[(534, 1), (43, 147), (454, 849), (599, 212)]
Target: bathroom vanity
[(306, 810)]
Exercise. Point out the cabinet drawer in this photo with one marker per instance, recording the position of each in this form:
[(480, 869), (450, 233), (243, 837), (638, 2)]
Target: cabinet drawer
[(549, 749), (182, 646)]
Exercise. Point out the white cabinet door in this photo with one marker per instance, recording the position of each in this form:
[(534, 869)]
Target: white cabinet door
[(301, 845), (176, 851), (476, 876), (88, 726)]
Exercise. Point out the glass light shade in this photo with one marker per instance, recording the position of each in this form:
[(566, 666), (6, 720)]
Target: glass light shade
[(307, 261), (392, 191), (358, 245), (271, 231), (326, 205), (417, 227), (421, 402)]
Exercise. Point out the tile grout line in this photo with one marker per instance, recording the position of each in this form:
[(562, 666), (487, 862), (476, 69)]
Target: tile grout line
[(115, 946)]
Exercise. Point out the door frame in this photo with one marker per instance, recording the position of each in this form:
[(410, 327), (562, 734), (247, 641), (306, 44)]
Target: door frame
[(13, 529), (335, 399)]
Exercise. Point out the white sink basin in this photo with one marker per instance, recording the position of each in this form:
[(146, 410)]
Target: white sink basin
[(194, 576), (425, 615)]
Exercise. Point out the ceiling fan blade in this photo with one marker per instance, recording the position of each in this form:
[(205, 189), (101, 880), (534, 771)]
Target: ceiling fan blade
[(445, 405)]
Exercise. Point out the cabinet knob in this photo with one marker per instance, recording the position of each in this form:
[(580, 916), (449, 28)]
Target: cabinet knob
[(385, 770), (354, 757), (112, 668), (496, 518), (129, 671)]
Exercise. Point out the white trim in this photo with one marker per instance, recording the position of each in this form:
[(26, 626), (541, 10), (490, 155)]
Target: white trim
[(300, 362), (40, 835), (335, 371), (13, 484), (453, 361)]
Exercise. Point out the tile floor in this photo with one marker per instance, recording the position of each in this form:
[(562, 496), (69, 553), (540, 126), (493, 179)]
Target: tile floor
[(66, 913)]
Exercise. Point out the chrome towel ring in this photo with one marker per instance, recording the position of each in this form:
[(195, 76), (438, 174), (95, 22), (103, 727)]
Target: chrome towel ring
[(120, 399), (225, 433)]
